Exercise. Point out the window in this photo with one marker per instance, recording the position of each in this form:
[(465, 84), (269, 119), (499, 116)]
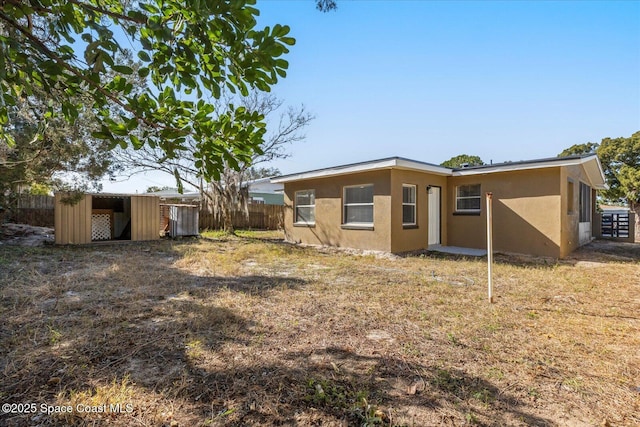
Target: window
[(305, 207), (585, 203), (358, 205), (468, 198), (408, 204), (570, 197)]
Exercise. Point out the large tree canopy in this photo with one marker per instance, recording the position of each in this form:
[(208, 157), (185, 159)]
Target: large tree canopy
[(51, 152), (620, 159), (190, 49), (43, 149)]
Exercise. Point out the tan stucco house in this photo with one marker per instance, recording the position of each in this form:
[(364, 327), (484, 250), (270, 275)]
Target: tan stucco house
[(540, 207)]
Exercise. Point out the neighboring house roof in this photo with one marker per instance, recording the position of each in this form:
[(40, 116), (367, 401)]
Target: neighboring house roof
[(258, 181), (264, 185), (590, 163), (173, 193), (614, 209)]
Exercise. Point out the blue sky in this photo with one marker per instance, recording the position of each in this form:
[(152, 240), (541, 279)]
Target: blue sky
[(429, 80)]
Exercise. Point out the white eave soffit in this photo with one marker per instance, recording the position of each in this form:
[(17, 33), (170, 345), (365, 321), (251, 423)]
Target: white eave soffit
[(595, 173)]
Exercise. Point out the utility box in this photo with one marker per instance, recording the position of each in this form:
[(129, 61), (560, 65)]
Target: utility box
[(183, 220)]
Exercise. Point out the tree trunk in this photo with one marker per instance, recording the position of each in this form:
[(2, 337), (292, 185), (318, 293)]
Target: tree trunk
[(635, 208), (227, 219)]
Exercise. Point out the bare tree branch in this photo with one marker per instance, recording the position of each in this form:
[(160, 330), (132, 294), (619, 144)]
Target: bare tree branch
[(230, 193)]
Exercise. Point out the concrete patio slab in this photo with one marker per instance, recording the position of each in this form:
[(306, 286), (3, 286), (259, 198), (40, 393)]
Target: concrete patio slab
[(456, 250)]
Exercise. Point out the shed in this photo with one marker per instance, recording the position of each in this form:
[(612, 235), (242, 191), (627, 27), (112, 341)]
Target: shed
[(180, 219), (107, 217)]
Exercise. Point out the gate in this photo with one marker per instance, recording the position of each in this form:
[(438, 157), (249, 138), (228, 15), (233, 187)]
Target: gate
[(615, 225)]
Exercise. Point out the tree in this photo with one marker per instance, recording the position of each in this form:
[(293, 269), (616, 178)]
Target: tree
[(190, 49), (44, 148), (227, 192), (155, 188), (254, 173), (462, 159), (326, 5), (579, 149), (52, 152)]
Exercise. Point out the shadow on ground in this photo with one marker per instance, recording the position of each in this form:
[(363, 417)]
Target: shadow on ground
[(95, 319), (607, 251)]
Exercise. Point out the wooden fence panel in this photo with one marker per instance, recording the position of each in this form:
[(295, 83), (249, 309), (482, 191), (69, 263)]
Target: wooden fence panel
[(34, 210), (261, 217)]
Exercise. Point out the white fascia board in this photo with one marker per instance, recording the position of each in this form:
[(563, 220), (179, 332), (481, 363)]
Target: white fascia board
[(423, 167), (515, 167), (394, 163)]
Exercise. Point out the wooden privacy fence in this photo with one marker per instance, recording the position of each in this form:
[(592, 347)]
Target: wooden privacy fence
[(33, 210), (40, 211), (261, 217)]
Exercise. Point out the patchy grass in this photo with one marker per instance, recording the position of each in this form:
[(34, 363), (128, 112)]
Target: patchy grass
[(253, 331)]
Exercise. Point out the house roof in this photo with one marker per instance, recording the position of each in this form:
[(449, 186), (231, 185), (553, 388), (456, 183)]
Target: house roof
[(590, 163), (372, 165)]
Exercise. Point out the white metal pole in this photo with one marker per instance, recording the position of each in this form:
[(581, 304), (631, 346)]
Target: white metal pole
[(490, 244)]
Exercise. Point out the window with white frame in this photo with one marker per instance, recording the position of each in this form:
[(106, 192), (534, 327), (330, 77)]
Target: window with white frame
[(468, 198), (305, 207), (358, 205), (408, 204)]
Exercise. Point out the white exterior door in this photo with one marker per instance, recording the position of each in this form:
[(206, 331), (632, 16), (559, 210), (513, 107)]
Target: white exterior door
[(434, 216)]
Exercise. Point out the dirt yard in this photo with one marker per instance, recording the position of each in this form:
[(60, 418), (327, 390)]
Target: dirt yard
[(252, 331)]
